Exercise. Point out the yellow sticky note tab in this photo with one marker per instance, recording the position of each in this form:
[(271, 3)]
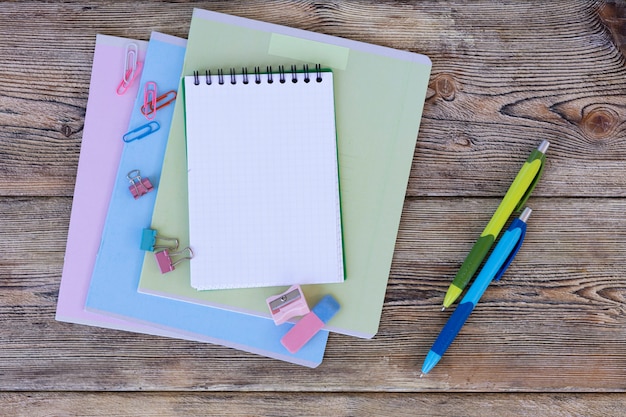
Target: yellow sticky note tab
[(306, 50)]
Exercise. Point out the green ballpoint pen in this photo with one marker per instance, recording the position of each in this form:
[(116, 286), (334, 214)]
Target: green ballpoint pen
[(513, 200)]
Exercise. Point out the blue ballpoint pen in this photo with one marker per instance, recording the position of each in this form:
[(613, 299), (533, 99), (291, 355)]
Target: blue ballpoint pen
[(498, 262)]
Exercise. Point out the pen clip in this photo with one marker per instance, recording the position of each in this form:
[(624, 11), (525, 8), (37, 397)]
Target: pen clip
[(517, 223), (530, 189)]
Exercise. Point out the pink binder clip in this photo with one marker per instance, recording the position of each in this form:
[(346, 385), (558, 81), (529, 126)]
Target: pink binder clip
[(138, 186), (164, 259), (287, 305)]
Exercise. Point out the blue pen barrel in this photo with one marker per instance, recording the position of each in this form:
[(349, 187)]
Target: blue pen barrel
[(452, 327), (498, 262)]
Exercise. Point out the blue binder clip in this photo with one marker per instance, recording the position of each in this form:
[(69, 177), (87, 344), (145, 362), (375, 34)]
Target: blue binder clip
[(149, 239)]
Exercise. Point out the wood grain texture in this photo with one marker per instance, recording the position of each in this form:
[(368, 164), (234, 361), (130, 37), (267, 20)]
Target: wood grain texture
[(549, 339), (549, 325), (497, 89), (311, 404)]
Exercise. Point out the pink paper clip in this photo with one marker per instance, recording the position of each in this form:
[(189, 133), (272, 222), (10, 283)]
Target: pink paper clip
[(163, 100), (132, 68), (288, 305), (149, 99), (138, 186), (164, 259)]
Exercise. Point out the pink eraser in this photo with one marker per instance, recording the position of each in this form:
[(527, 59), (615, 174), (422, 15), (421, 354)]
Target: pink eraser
[(287, 305), (310, 324)]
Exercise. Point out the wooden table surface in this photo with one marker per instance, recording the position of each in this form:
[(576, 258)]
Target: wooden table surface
[(548, 340)]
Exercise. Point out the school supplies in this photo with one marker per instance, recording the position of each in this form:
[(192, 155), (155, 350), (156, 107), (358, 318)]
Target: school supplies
[(138, 186), (151, 106), (318, 110), (379, 96), (132, 68), (141, 131), (149, 100), (288, 305), (513, 200), (111, 298), (310, 324), (149, 238), (165, 261), (496, 265), (113, 287), (262, 178)]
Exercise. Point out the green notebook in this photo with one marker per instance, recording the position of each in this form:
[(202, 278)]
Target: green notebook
[(379, 98)]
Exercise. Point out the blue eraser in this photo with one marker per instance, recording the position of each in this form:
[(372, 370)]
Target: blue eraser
[(326, 308)]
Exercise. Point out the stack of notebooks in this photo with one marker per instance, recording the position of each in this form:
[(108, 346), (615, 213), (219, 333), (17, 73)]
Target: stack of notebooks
[(219, 171)]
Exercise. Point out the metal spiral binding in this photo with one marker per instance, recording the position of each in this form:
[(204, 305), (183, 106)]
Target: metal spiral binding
[(245, 75)]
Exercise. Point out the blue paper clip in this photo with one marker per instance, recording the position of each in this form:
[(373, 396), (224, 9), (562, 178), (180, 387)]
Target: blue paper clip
[(141, 132)]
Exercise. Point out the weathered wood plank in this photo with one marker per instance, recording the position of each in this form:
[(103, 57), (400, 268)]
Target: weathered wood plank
[(555, 323), (505, 75), (167, 404), (513, 87), (497, 88)]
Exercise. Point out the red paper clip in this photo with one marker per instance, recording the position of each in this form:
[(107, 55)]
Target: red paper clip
[(149, 99), (164, 259), (132, 68), (138, 186), (162, 101)]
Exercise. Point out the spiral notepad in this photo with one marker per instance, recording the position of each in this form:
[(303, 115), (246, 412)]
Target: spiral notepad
[(262, 178)]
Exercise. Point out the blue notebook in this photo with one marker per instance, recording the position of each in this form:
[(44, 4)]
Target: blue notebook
[(113, 287)]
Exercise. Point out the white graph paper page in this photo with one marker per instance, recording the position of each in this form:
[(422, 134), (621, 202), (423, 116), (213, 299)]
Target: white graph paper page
[(263, 181)]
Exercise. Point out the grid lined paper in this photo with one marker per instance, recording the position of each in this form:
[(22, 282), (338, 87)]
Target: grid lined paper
[(263, 182)]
